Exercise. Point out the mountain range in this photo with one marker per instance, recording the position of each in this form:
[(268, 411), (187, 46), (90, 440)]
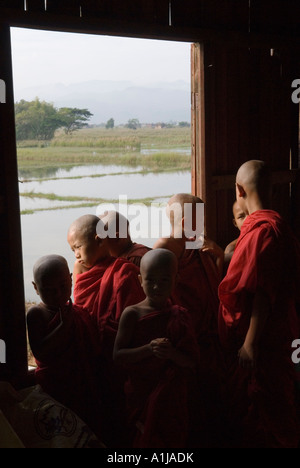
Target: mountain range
[(120, 100)]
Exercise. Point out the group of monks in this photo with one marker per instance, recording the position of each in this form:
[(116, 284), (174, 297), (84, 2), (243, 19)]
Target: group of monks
[(167, 348)]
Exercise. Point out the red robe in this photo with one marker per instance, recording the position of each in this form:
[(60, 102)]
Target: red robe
[(135, 253), (106, 290), (266, 257), (157, 390), (71, 376), (197, 291)]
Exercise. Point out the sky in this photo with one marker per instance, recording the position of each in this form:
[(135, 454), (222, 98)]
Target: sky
[(43, 58)]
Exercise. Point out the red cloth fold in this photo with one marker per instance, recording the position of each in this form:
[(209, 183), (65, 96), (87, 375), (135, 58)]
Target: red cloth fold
[(266, 258), (106, 290), (135, 253)]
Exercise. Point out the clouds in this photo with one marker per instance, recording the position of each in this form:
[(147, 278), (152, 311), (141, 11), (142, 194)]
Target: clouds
[(43, 57)]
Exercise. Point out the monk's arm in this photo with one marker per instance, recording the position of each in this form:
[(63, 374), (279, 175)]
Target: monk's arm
[(216, 252), (122, 353), (259, 316), (46, 345), (77, 270)]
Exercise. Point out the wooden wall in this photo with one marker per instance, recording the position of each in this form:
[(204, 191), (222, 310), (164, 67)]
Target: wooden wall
[(12, 309), (248, 114)]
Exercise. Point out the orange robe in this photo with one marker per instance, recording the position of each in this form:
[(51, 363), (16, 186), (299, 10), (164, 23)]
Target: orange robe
[(266, 257), (157, 390)]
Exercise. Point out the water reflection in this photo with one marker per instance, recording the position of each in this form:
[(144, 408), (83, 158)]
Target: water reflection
[(135, 186), (73, 171)]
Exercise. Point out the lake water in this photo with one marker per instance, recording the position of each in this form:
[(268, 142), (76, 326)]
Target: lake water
[(45, 232)]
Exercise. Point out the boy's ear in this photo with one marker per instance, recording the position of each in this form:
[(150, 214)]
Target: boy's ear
[(240, 190), (234, 222), (98, 240), (140, 279), (35, 288)]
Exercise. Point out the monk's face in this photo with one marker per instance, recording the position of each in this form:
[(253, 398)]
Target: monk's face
[(55, 290), (87, 249), (239, 216), (158, 283)]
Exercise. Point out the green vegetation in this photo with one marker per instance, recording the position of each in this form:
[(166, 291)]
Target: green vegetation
[(118, 146), (142, 151), (38, 120)]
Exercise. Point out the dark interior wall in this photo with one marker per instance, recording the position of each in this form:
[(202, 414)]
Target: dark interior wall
[(249, 114)]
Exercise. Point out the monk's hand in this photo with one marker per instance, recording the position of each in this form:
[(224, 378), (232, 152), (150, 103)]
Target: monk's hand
[(247, 356), (161, 348)]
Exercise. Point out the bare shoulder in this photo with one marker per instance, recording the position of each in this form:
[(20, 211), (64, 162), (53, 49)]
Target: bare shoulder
[(230, 247), (132, 313), (34, 313), (37, 316), (169, 243), (79, 268)]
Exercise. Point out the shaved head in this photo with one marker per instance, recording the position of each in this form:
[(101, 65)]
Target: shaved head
[(254, 175), (253, 186), (49, 265), (182, 198), (159, 258), (114, 222), (85, 225), (187, 207)]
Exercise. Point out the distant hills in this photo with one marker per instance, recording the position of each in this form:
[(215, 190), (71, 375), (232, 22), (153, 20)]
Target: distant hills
[(120, 100)]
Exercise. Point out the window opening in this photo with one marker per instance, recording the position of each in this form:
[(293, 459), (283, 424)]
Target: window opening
[(135, 148)]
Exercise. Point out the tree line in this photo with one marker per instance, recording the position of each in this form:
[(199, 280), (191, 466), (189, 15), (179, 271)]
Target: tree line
[(39, 120)]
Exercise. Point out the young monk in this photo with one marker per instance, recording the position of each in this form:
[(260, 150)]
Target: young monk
[(119, 240), (257, 318), (238, 218), (199, 276), (63, 340), (156, 344), (105, 286)]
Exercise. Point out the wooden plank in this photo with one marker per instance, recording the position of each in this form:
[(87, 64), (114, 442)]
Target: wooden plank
[(35, 5), (14, 4), (11, 267), (227, 182), (229, 15), (147, 11), (199, 168), (65, 7), (275, 16)]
